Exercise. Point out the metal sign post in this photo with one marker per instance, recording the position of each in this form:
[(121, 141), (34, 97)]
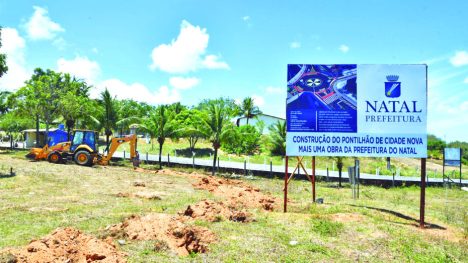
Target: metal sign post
[(423, 193), (313, 179)]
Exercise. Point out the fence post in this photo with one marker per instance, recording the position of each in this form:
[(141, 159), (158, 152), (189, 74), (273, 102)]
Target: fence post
[(218, 165), (271, 169), (193, 161), (168, 160), (328, 178), (146, 157), (124, 154), (245, 167)]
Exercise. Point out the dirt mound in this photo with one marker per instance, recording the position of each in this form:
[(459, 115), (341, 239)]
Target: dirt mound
[(216, 211), (172, 231), (236, 192), (68, 245)]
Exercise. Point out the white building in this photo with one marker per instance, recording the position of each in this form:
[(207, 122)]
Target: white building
[(268, 120)]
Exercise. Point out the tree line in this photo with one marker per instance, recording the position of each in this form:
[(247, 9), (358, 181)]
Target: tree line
[(49, 97)]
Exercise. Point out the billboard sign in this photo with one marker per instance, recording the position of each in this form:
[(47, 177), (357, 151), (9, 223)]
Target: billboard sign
[(356, 110), (452, 156)]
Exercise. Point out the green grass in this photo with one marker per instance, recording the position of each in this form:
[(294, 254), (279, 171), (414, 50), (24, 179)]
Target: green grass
[(381, 225)]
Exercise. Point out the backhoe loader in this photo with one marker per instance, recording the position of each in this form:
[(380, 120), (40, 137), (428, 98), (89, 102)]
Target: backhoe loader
[(83, 149)]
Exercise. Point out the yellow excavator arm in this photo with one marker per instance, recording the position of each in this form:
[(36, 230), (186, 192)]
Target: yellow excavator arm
[(115, 143)]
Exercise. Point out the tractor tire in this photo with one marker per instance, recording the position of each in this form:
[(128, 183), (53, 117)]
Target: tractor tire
[(54, 157), (83, 158)]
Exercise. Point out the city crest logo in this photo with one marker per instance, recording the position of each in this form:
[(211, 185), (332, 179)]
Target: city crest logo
[(392, 86)]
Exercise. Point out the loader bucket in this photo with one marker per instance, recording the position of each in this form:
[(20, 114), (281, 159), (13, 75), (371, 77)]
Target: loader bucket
[(31, 156), (36, 154)]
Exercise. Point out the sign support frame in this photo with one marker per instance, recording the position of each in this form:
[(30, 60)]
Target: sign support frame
[(288, 178)]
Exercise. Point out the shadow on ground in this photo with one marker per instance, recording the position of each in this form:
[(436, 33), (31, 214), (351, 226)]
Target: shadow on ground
[(403, 216), (7, 174)]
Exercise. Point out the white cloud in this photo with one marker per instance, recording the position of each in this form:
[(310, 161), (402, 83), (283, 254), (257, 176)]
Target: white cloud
[(344, 48), (246, 18), (183, 83), (275, 90), (459, 59), (138, 92), (80, 67), (258, 100), (13, 45), (90, 71), (295, 44), (212, 62), (40, 26), (186, 53)]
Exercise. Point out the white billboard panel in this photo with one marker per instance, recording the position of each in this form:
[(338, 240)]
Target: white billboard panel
[(357, 110)]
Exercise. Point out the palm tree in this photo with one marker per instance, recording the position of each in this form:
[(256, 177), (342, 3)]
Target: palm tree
[(218, 125), (109, 118), (159, 125), (278, 138), (339, 165), (248, 109)]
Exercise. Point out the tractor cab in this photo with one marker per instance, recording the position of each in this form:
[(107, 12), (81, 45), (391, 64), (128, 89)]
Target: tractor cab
[(82, 138)]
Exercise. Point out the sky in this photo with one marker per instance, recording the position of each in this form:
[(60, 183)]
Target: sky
[(184, 51)]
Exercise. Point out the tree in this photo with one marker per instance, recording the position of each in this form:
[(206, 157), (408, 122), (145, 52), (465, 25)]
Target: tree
[(109, 118), (278, 138), (177, 107), (190, 123), (159, 125), (217, 122), (34, 99), (74, 102), (248, 109), (3, 65), (245, 140), (3, 101), (339, 165), (130, 112)]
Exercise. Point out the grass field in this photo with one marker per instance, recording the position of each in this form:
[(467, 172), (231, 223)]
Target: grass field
[(379, 227)]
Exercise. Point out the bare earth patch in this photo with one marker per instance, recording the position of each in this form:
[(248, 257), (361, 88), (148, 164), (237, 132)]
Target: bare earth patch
[(172, 231), (347, 217), (236, 193), (68, 245), (212, 211), (450, 233)]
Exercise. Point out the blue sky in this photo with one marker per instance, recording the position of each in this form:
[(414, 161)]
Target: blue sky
[(167, 51)]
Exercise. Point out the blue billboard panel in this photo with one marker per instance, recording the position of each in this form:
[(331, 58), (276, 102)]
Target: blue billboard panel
[(356, 110), (321, 98), (452, 156)]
